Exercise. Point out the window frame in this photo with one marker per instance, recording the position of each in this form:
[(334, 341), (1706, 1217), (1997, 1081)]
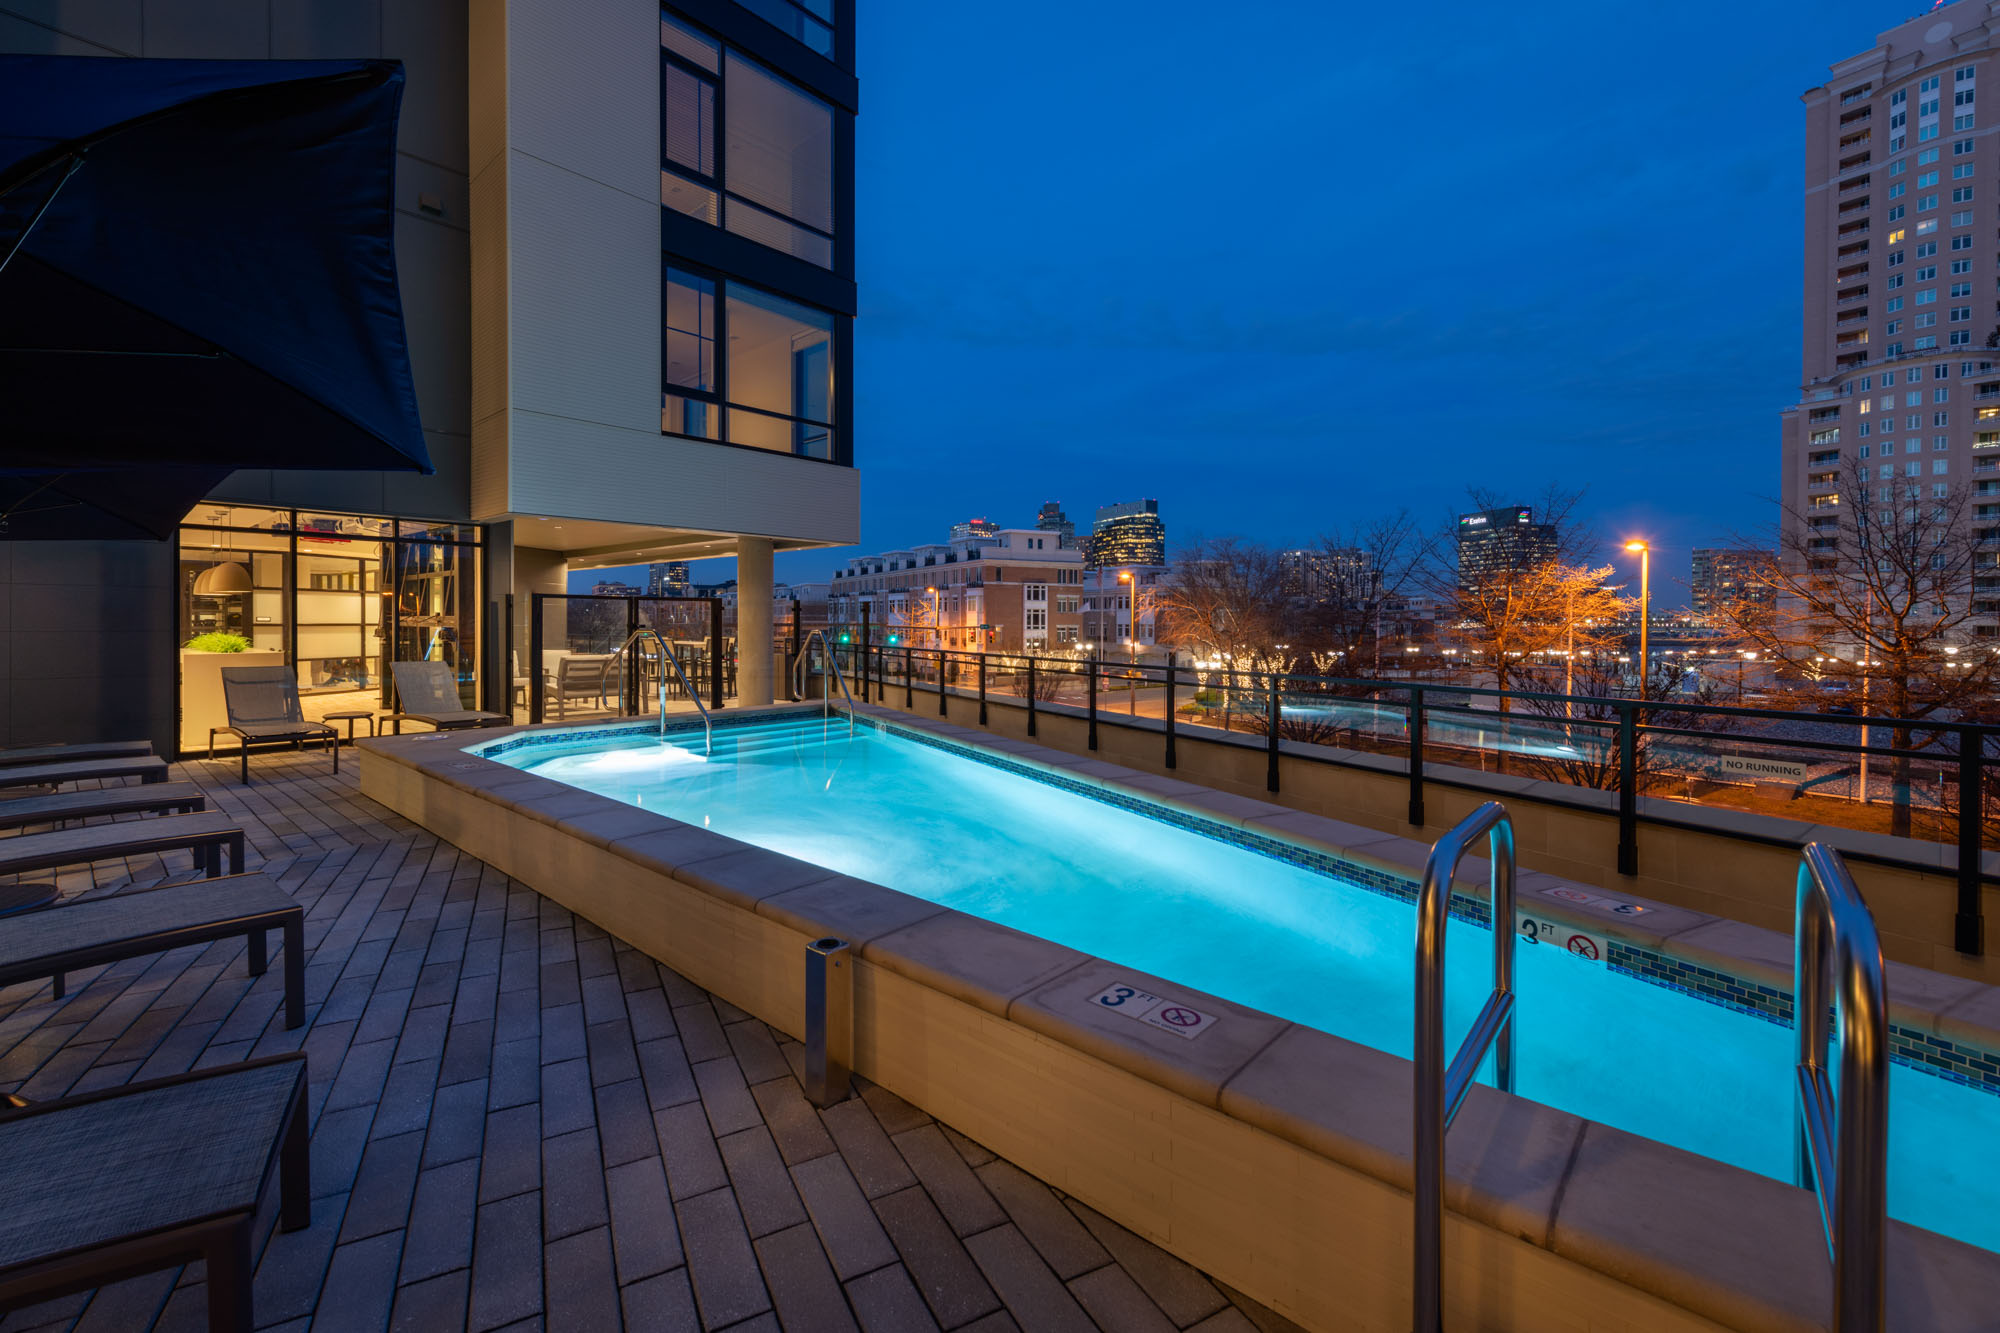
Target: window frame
[(718, 398), (719, 181)]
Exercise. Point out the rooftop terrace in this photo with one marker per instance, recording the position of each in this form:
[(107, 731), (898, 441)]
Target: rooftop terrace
[(520, 1122)]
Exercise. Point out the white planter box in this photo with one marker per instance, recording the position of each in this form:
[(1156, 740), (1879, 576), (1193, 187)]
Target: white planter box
[(201, 692)]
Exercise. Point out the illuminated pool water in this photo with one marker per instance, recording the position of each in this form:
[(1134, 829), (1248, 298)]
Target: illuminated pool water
[(1288, 940)]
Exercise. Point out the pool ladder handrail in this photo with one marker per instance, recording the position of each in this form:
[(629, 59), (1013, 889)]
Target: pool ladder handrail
[(833, 665), (1441, 1091), (666, 656), (1842, 1143)]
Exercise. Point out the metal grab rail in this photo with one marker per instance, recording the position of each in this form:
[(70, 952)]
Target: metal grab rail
[(1842, 1142), (833, 664), (666, 655), (1440, 1091)]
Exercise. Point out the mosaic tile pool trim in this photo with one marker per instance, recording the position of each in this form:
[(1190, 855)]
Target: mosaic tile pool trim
[(1967, 1065)]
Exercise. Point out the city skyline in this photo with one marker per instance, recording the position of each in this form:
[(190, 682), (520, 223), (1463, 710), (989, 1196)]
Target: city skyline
[(1584, 339)]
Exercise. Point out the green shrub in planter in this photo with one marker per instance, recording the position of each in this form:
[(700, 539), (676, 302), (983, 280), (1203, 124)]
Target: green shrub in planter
[(218, 643)]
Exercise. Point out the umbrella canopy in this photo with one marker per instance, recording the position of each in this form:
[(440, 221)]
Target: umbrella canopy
[(197, 274)]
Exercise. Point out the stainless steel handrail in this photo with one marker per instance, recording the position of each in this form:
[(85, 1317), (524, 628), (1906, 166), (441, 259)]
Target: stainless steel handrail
[(833, 664), (667, 655), (1842, 1142), (1440, 1091)]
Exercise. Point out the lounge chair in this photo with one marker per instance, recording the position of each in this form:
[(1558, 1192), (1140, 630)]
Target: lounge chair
[(147, 768), (583, 676), (152, 1176), (263, 704), (59, 940), (56, 754), (147, 798), (428, 692), (206, 835)]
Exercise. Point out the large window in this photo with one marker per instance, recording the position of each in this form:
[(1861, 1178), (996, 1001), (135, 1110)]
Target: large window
[(770, 176), (772, 388), (334, 596)]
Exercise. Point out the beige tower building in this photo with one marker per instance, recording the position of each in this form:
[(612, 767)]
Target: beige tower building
[(1901, 356)]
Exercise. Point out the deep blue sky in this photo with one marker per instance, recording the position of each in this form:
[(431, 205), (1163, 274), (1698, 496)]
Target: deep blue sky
[(1286, 266)]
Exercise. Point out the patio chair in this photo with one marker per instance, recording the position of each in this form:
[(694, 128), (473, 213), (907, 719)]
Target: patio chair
[(56, 754), (147, 768), (263, 704), (428, 692), (206, 835), (95, 931), (583, 676), (151, 1176), (59, 807)]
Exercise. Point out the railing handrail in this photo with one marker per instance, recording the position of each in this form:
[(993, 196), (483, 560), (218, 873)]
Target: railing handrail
[(1653, 705), (667, 654), (1440, 1091), (799, 674), (1842, 1142)]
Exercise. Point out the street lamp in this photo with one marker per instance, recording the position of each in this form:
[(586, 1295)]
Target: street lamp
[(937, 613), (1645, 554)]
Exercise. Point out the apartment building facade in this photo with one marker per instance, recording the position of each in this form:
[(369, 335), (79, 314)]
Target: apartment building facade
[(1900, 382), (1014, 590), (626, 254)]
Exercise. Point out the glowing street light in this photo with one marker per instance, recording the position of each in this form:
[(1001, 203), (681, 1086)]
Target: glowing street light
[(1645, 554)]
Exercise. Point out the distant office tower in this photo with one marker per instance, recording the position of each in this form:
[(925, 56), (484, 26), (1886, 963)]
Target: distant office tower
[(1053, 519), (974, 527), (1128, 534), (668, 579), (1344, 574), (1727, 576), (1496, 543), (1899, 377)]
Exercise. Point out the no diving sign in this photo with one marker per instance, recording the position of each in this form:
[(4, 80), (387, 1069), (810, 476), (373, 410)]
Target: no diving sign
[(1183, 1020), (1541, 930)]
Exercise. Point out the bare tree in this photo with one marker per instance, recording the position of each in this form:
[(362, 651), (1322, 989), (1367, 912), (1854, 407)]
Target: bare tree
[(1515, 611), (1873, 602), (1228, 601), (1503, 623), (1364, 568)]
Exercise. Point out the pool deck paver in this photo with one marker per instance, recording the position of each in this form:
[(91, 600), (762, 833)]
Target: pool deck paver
[(522, 1123)]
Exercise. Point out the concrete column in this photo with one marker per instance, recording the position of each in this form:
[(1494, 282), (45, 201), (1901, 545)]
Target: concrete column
[(753, 621)]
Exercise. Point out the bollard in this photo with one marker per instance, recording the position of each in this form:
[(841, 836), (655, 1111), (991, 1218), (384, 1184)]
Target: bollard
[(829, 1020)]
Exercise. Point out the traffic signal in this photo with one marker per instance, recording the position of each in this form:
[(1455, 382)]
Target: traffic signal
[(894, 639), (845, 636)]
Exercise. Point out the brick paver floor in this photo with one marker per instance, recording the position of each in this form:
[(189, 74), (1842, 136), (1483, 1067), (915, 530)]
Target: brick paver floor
[(522, 1123)]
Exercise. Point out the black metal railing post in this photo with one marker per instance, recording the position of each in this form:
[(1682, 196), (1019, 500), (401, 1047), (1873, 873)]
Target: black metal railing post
[(941, 708), (715, 650), (1031, 696), (633, 695), (1969, 927), (535, 657), (1090, 697), (1172, 758), (1628, 789), (1271, 740), (982, 689), (1417, 756), (909, 683)]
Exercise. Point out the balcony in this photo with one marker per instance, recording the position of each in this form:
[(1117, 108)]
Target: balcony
[(1859, 182), (1853, 206), (1852, 317), (1849, 295), (1853, 95)]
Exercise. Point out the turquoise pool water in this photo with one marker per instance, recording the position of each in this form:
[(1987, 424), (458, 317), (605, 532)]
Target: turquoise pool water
[(1279, 938)]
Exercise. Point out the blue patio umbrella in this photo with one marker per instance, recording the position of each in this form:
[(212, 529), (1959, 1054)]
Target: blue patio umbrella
[(197, 274)]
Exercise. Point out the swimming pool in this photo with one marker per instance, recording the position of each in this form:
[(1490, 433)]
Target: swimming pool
[(933, 821)]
